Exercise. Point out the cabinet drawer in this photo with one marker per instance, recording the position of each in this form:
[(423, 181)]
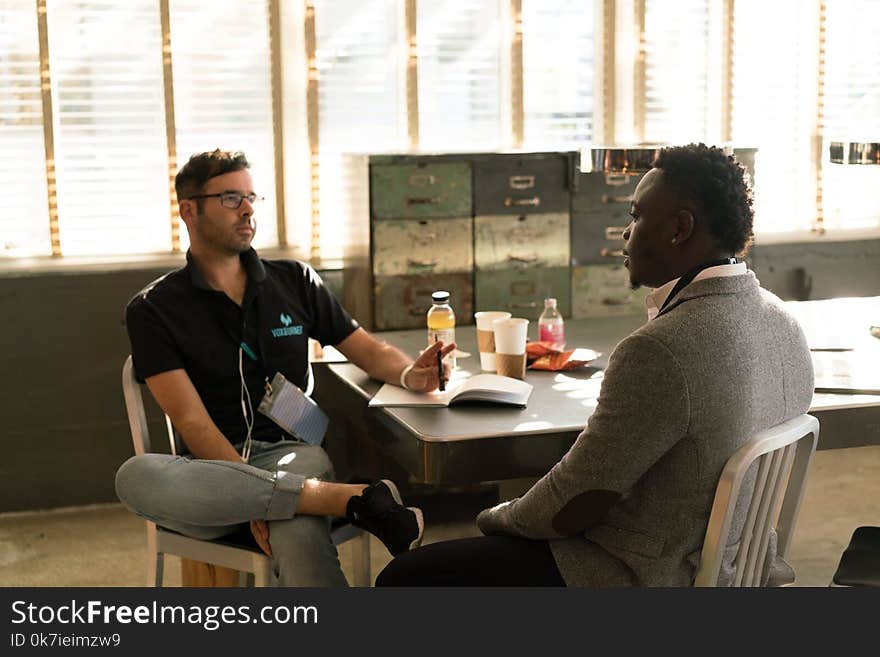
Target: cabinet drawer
[(518, 184), (534, 240), (597, 239), (603, 290), (420, 189), (522, 291), (424, 246), (402, 302), (601, 192)]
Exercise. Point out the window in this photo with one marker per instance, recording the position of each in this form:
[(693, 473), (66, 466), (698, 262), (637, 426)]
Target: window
[(558, 73), (459, 46), (109, 126), (786, 91), (223, 91), (676, 71), (851, 194), (24, 212), (774, 108), (357, 59)]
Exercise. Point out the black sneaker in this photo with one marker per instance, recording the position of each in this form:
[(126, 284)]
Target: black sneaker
[(379, 509)]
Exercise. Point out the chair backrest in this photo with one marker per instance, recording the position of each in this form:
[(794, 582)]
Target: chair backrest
[(784, 453), (137, 416)]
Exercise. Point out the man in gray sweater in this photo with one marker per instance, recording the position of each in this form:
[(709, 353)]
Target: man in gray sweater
[(718, 360)]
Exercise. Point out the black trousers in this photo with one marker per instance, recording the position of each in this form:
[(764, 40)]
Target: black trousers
[(480, 561)]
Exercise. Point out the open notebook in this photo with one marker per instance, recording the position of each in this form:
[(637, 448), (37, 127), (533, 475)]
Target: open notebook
[(480, 388)]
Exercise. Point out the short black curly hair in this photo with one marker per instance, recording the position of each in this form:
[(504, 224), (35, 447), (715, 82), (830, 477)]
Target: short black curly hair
[(720, 184)]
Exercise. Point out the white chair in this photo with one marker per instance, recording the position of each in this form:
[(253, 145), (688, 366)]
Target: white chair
[(785, 452), (225, 551)]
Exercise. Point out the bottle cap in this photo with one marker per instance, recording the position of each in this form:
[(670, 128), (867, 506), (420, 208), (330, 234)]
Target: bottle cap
[(550, 303), (440, 296)]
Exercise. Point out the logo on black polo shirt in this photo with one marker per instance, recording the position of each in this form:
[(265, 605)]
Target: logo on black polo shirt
[(287, 329)]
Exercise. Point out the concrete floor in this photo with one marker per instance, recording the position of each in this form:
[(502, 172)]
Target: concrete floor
[(103, 545)]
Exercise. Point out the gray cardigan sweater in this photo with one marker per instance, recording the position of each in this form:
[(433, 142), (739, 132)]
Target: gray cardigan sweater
[(680, 395)]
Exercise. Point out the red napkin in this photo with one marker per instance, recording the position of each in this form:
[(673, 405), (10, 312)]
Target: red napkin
[(548, 356)]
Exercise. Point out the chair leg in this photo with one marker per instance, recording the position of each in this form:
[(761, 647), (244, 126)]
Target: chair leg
[(262, 572), (155, 559), (159, 569), (360, 554)]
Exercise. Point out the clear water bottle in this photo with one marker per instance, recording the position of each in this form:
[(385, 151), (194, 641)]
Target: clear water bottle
[(441, 324), (551, 327)]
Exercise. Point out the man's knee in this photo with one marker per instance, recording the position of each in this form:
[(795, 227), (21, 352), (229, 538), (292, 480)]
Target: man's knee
[(140, 476), (403, 570)]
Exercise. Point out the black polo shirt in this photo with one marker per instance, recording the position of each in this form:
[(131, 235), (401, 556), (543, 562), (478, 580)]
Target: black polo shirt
[(180, 322)]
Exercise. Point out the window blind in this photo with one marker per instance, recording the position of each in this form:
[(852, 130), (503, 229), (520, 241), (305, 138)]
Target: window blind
[(109, 126), (851, 193), (459, 43), (774, 107), (223, 91), (676, 70), (358, 85), (24, 212), (558, 73)]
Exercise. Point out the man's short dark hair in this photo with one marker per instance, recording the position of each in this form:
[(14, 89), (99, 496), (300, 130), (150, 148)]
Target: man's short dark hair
[(190, 180), (720, 184)]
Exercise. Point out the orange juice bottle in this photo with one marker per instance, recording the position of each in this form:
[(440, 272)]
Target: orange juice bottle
[(441, 324)]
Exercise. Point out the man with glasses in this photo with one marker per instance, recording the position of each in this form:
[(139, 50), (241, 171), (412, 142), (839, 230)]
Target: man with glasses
[(207, 339)]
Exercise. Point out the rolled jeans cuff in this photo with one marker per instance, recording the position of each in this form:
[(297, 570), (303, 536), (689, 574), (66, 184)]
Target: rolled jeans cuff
[(285, 495)]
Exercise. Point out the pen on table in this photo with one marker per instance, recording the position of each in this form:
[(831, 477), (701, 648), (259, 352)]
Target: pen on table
[(440, 369)]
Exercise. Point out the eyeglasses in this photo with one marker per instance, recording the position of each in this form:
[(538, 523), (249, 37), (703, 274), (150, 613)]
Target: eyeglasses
[(231, 200)]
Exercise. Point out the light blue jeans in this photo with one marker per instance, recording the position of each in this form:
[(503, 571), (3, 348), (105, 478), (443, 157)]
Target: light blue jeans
[(208, 499)]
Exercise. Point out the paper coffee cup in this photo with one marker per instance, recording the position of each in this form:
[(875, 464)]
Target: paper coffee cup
[(486, 336), (510, 346)]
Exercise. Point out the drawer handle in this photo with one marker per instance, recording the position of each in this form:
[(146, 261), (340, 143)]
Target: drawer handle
[(423, 263), (521, 182), (616, 179), (535, 201), (614, 198), (418, 311), (530, 304), (522, 288), (421, 180), (611, 253), (614, 232), (422, 201), (610, 301), (528, 260)]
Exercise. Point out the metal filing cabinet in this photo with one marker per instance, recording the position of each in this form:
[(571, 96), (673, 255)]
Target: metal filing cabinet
[(422, 239), (604, 290), (599, 214), (522, 232), (522, 291), (498, 230)]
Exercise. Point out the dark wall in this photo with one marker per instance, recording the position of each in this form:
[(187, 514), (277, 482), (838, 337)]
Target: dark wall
[(64, 429)]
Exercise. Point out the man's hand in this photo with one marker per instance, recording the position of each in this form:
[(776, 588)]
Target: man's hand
[(423, 377), (260, 530)]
